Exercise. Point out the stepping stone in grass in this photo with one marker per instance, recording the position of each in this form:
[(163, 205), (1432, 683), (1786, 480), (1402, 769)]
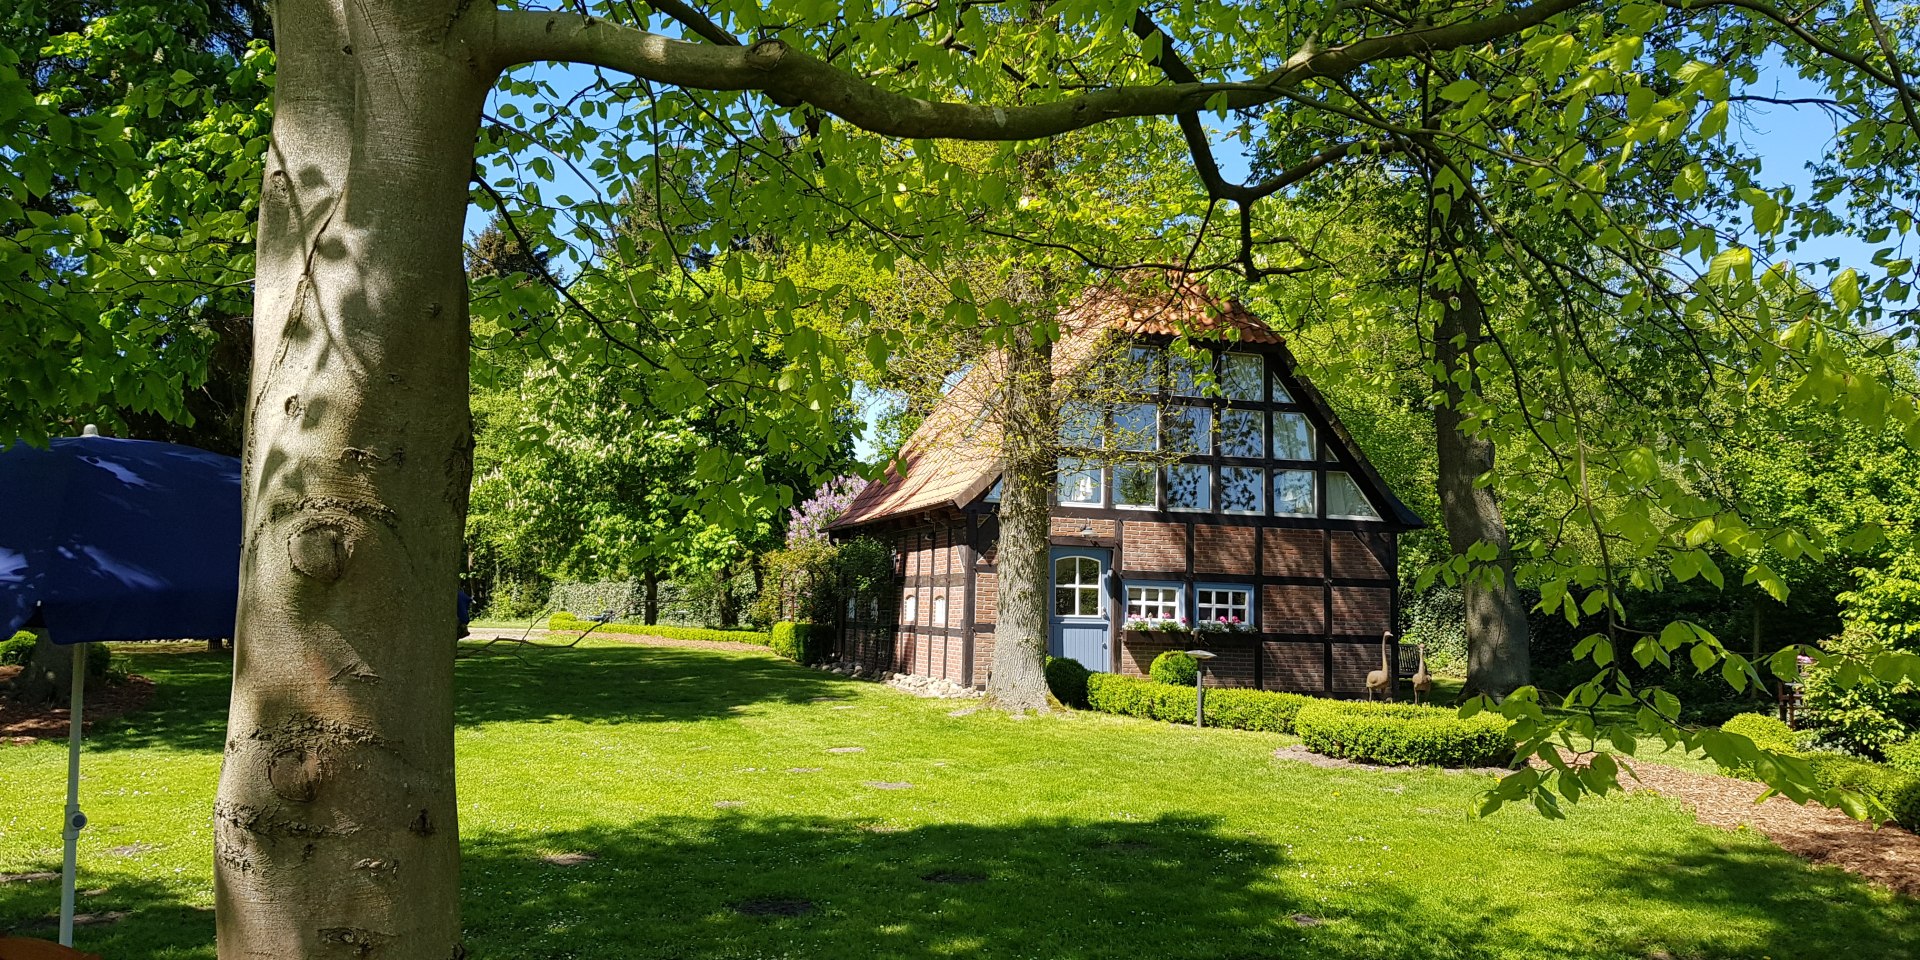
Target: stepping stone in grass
[(38, 876), (772, 907), (963, 712), (728, 804), (889, 784), (950, 876), (130, 850), (803, 769), (824, 700), (845, 707), (1306, 920), (570, 859), (846, 749)]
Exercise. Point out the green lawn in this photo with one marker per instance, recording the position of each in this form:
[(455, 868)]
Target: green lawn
[(701, 780)]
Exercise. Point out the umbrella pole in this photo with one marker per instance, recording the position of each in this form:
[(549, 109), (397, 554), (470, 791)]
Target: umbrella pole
[(75, 819)]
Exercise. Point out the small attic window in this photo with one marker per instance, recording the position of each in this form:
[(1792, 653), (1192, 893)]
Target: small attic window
[(1345, 501), (993, 492)]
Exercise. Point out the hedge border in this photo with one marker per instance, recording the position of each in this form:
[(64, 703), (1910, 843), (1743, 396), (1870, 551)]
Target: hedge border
[(1231, 707), (567, 621), (1404, 735)]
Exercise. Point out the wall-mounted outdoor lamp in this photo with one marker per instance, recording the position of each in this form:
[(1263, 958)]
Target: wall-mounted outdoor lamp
[(1200, 685)]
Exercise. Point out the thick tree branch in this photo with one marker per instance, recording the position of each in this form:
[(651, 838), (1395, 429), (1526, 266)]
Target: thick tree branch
[(791, 77)]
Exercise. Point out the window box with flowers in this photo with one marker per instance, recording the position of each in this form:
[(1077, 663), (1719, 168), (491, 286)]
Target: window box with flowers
[(1156, 625)]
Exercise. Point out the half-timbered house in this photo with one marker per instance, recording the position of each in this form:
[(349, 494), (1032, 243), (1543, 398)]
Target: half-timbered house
[(1248, 513)]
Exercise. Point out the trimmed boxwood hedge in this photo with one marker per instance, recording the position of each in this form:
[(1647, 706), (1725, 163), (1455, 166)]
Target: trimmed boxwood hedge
[(1892, 785), (797, 640), (1401, 734), (1905, 756), (567, 621), (1175, 667), (1234, 708), (1067, 680)]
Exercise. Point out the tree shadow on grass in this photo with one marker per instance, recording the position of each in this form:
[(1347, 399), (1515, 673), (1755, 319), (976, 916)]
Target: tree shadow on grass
[(135, 917), (191, 689), (627, 684)]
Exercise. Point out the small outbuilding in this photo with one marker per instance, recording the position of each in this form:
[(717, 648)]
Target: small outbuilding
[(1246, 511)]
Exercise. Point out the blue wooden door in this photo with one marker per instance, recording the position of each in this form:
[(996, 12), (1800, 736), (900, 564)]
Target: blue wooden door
[(1080, 627)]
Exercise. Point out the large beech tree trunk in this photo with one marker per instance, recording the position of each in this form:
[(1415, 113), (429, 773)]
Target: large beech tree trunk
[(334, 826), (1018, 682), (1497, 653)]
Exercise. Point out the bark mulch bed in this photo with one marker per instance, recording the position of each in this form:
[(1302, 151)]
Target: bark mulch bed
[(24, 724), (1888, 856)]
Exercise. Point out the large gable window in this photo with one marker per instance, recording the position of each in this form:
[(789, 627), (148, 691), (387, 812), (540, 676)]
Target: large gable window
[(1242, 375), (1135, 485), (1135, 426), (1293, 493), (1189, 487), (1185, 429), (1292, 437), (1079, 482), (1345, 500), (1240, 490), (1243, 433)]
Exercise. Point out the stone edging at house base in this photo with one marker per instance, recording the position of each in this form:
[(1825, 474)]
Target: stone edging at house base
[(916, 684)]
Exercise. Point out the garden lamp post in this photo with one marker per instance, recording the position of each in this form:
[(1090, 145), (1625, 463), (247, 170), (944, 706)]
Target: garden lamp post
[(1200, 685)]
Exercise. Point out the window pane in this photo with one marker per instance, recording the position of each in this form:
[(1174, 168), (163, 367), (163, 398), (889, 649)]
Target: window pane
[(1080, 425), (1186, 429), (1134, 426), (1065, 569), (1229, 605), (1240, 489), (1189, 487), (1079, 481), (1153, 603), (1184, 373), (1344, 498), (1063, 601), (993, 494), (1144, 366), (1292, 437), (1089, 602), (1241, 375), (1133, 485), (1293, 493), (1242, 433), (1280, 392)]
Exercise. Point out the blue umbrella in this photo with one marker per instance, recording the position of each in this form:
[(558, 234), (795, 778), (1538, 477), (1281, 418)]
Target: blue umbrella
[(105, 539)]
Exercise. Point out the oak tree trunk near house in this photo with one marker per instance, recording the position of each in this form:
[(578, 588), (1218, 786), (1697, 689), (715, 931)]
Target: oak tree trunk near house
[(1497, 647), (1018, 681)]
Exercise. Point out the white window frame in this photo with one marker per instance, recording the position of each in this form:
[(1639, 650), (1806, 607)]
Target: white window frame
[(939, 609), (1206, 485), (1082, 465), (1243, 609), (1313, 436), (1260, 485), (1177, 602), (909, 609), (1096, 587)]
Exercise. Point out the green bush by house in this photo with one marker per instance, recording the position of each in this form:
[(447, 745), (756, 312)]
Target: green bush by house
[(16, 650), (1238, 709), (1905, 756), (1403, 734), (1894, 785), (567, 621), (798, 641), (1067, 680), (1174, 667)]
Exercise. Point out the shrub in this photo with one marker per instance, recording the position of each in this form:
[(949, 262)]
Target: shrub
[(1174, 667), (1067, 680), (17, 650), (1898, 791), (1869, 716), (1905, 756), (1234, 708), (794, 640), (567, 621), (1766, 732), (1403, 734)]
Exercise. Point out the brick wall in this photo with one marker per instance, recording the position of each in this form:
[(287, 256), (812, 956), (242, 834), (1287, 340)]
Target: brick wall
[(986, 598), (1292, 553), (1292, 609), (1353, 556), (1154, 546), (1218, 549), (1361, 610), (982, 656), (1295, 667), (1072, 527)]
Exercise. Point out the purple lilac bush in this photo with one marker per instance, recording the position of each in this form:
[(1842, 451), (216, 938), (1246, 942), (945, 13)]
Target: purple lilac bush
[(807, 523)]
